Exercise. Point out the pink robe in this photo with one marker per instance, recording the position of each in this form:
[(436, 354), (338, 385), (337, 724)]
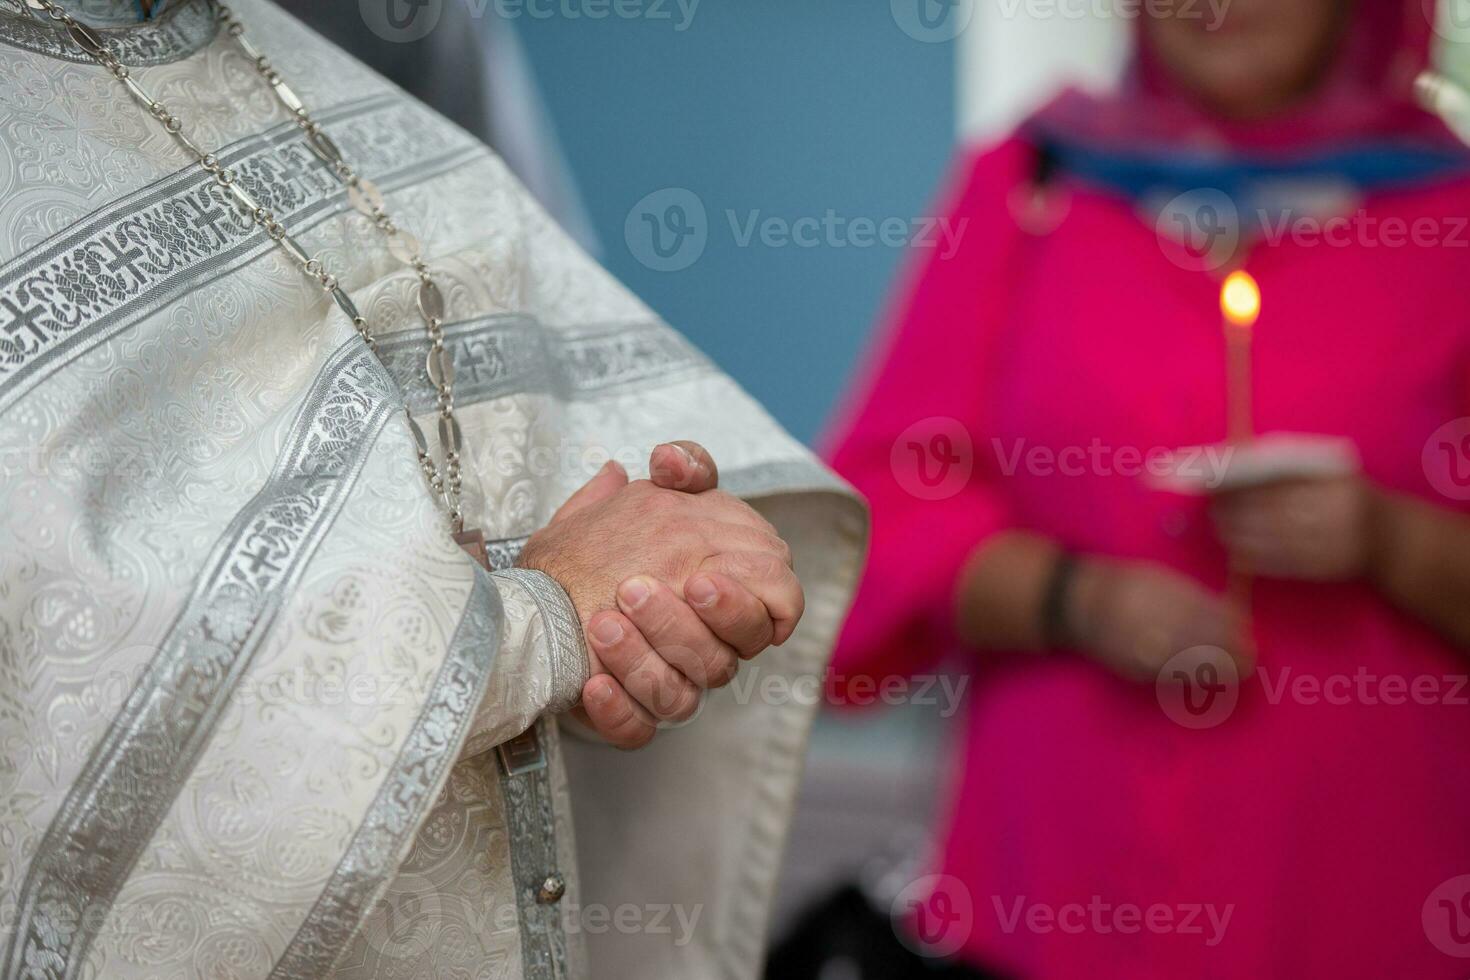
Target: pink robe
[(1321, 829)]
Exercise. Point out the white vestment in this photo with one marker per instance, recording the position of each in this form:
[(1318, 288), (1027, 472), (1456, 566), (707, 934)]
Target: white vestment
[(251, 692)]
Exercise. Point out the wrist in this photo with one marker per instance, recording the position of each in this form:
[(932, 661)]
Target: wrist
[(1056, 625), (1082, 608), (1384, 533)]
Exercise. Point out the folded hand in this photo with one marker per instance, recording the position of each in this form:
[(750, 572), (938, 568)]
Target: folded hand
[(675, 581)]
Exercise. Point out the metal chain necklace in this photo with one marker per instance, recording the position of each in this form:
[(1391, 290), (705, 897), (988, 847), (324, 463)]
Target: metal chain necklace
[(445, 481)]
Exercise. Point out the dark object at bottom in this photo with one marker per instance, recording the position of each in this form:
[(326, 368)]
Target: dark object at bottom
[(843, 938)]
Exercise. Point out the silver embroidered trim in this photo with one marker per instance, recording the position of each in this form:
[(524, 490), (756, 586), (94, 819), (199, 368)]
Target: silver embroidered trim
[(141, 253), (506, 354), (782, 476), (133, 775), (563, 632), (187, 27), (408, 792), (531, 823)]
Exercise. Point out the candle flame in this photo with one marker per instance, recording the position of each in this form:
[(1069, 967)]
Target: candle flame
[(1240, 299)]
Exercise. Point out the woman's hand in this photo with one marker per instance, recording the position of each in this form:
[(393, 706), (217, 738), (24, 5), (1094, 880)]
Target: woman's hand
[(1314, 530), (1133, 617), (1415, 553)]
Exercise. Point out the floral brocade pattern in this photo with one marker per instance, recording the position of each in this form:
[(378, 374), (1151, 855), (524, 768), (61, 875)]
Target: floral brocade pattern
[(113, 810), (215, 525), (182, 30)]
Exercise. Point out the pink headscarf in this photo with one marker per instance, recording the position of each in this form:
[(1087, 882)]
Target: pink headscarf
[(1366, 97)]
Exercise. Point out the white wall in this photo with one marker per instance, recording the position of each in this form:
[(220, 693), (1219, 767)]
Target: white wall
[(1017, 54)]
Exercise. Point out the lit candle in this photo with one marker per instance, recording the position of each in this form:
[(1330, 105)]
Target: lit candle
[(1240, 302)]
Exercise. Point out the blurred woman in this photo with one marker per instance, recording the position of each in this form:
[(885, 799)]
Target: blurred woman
[(1316, 826)]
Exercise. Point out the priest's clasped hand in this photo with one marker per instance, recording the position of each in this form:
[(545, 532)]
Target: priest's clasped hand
[(675, 582)]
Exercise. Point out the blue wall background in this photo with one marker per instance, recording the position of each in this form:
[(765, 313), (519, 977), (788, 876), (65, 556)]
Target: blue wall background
[(786, 107)]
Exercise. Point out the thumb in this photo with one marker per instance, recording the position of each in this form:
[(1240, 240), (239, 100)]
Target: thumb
[(683, 465), (608, 481)]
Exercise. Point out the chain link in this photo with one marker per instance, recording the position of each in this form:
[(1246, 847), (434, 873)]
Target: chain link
[(445, 481)]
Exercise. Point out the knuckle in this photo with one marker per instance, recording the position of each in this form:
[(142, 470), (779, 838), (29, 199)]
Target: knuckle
[(766, 565), (723, 671), (657, 619), (756, 630), (693, 666), (618, 721), (675, 700), (685, 708), (635, 738), (699, 667)]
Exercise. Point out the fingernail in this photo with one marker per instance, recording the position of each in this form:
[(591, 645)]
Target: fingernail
[(634, 592), (608, 631), (599, 693), (688, 456), (701, 591)]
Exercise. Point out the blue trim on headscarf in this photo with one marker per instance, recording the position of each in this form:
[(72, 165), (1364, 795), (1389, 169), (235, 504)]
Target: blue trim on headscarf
[(1368, 167)]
